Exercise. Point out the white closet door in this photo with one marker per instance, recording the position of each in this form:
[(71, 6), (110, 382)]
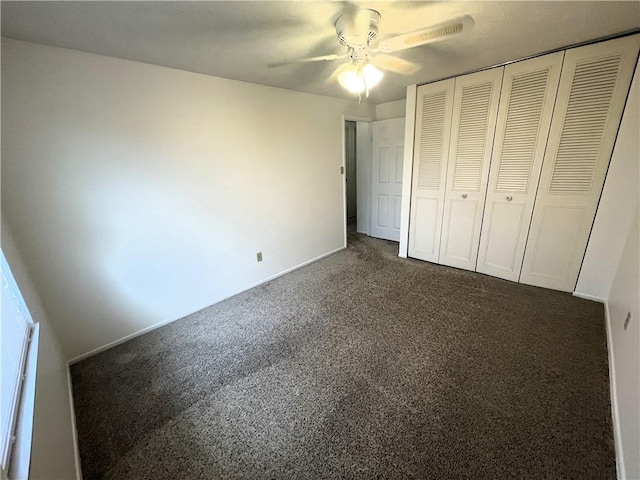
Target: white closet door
[(526, 104), (475, 107), (431, 151), (386, 188), (592, 93)]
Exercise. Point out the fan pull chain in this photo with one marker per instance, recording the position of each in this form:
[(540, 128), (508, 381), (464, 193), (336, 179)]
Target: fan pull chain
[(366, 87)]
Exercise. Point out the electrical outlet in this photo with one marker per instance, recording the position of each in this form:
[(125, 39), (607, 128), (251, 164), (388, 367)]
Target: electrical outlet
[(626, 320), (259, 256)]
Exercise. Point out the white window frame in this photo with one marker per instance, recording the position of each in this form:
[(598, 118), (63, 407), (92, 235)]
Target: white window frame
[(15, 424)]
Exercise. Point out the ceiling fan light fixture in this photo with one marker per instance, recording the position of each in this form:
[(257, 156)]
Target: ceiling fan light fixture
[(358, 78)]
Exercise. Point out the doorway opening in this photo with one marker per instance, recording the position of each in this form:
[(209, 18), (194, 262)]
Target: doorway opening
[(356, 170), (350, 174)]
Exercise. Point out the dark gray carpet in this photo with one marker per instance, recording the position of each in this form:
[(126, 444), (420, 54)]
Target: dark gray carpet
[(359, 366)]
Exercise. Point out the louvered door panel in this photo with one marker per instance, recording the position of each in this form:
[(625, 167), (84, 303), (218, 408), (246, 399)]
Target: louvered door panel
[(590, 99), (593, 89), (524, 117), (474, 119), (431, 150)]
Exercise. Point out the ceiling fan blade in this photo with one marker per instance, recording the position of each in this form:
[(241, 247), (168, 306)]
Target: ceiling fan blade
[(321, 58), (395, 64), (431, 34), (334, 76)]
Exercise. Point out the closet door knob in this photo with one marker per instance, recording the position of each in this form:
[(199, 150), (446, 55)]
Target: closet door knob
[(464, 195), (509, 198)]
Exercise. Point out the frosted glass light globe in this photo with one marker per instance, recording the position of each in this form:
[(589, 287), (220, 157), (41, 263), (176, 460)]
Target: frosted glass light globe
[(358, 79)]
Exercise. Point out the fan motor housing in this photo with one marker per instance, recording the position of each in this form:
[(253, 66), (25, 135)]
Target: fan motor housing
[(358, 30)]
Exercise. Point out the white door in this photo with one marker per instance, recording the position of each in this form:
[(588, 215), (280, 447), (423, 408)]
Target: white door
[(386, 186), (431, 151), (591, 96), (475, 107), (526, 104)]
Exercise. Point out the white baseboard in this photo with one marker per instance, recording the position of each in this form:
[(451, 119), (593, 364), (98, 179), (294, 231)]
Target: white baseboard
[(137, 333), (614, 398), (612, 384), (74, 431), (185, 314), (588, 296)]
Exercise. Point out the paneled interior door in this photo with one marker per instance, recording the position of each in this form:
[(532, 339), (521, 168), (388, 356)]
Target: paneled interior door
[(475, 107), (430, 154), (591, 96), (526, 104), (386, 187)]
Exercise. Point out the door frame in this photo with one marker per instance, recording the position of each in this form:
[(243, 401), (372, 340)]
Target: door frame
[(347, 118), (407, 167)]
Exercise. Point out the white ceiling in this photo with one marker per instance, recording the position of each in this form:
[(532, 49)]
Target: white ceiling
[(238, 39)]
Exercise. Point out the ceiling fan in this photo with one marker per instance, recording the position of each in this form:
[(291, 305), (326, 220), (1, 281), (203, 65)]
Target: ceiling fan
[(358, 32)]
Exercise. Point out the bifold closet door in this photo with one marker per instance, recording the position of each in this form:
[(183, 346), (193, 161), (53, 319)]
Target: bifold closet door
[(431, 150), (526, 104), (475, 108), (591, 96)]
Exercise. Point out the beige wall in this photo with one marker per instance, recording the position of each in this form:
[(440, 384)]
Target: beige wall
[(385, 111), (138, 194), (624, 346), (52, 449)]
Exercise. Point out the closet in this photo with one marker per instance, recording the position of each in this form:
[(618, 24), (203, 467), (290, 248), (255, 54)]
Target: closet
[(509, 162), (593, 89), (526, 104)]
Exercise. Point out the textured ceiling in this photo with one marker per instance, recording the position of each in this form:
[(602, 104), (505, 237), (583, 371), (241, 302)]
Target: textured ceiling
[(238, 39)]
